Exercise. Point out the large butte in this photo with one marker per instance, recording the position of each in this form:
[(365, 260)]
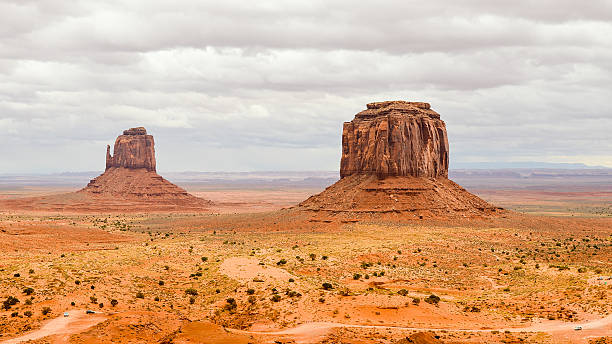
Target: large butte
[(395, 161)]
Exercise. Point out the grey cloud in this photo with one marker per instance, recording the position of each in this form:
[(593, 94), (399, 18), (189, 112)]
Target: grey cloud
[(244, 85)]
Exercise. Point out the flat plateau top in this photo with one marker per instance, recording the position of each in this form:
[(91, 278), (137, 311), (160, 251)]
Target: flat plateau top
[(397, 107)]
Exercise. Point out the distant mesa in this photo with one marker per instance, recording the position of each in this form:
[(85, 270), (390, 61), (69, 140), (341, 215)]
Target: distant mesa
[(395, 157)]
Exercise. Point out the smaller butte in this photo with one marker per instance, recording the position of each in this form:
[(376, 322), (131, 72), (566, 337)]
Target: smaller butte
[(395, 157), (131, 175)]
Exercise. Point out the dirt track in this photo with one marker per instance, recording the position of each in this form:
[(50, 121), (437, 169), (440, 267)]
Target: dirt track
[(316, 330), (62, 327)]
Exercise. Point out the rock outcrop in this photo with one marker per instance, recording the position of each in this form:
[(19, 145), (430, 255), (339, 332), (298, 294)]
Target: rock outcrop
[(130, 176), (134, 149), (395, 161), (395, 138)]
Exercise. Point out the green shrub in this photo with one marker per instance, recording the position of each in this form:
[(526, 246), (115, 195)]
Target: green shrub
[(432, 299), (191, 291)]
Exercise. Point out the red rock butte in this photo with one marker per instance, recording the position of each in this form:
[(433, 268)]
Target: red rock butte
[(395, 138), (130, 174), (395, 161)]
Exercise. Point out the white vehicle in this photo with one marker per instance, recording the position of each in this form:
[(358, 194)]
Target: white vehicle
[(66, 315), (577, 328)]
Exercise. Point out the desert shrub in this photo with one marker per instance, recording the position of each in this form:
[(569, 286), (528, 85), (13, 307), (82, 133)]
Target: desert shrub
[(10, 301), (71, 303), (93, 287), (156, 298), (344, 292), (402, 292), (204, 259), (114, 302), (46, 310), (31, 271), (252, 299), (275, 298), (101, 305), (432, 299), (191, 291), (312, 256), (28, 291), (416, 301), (161, 283), (77, 282), (281, 262), (14, 314), (356, 276), (192, 300), (27, 313), (28, 301), (93, 299), (230, 304), (292, 293), (324, 257), (250, 291), (327, 286), (291, 280), (140, 295), (322, 300)]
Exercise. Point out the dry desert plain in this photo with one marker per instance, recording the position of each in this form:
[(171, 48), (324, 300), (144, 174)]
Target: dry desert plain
[(254, 270)]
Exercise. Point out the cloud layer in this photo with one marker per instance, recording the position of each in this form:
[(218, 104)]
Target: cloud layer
[(267, 85)]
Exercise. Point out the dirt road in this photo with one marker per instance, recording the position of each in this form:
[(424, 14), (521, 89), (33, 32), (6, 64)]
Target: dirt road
[(62, 327), (596, 328)]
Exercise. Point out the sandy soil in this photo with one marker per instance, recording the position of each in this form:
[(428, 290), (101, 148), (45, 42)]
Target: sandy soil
[(60, 328), (259, 277)]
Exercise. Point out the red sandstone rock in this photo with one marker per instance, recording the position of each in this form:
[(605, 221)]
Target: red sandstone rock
[(130, 175), (134, 149), (395, 162), (395, 138)]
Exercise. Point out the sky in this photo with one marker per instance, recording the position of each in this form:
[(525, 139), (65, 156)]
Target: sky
[(266, 85)]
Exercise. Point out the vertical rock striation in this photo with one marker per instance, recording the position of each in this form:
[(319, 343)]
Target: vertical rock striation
[(395, 138), (395, 161)]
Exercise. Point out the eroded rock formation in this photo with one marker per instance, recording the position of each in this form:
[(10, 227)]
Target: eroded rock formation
[(134, 149), (395, 161), (395, 138), (130, 175)]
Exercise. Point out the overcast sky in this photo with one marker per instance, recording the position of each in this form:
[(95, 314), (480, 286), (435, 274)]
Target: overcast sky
[(265, 85)]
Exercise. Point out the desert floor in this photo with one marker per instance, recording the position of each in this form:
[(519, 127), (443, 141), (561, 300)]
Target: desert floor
[(256, 273)]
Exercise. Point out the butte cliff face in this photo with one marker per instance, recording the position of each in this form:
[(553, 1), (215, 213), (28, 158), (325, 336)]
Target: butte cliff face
[(395, 161), (395, 138), (134, 149)]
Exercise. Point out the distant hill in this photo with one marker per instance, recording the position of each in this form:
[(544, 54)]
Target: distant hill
[(520, 164)]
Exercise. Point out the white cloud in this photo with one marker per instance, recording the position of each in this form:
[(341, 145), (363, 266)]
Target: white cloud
[(224, 85)]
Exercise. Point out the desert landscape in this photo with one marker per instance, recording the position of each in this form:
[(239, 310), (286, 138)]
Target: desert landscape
[(389, 251)]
